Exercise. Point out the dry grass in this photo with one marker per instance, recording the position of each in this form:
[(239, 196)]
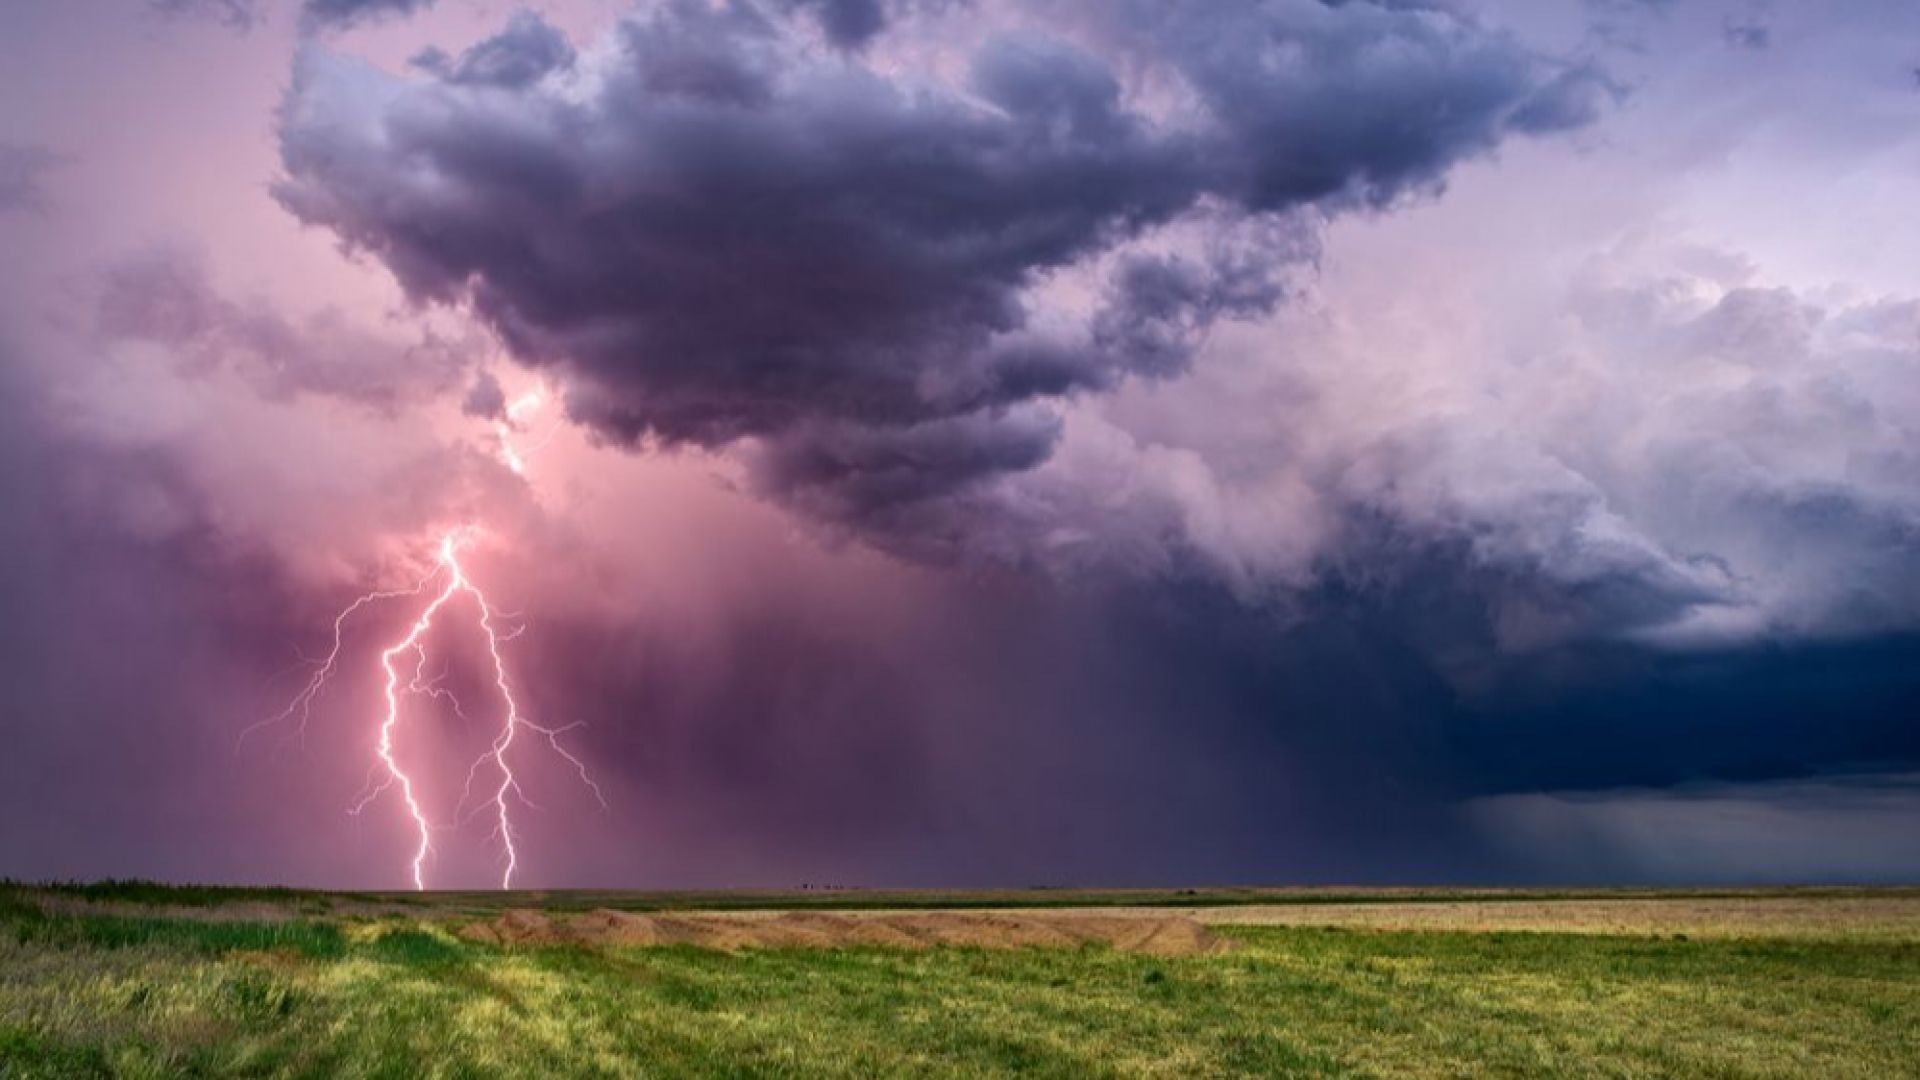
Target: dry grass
[(1848, 917)]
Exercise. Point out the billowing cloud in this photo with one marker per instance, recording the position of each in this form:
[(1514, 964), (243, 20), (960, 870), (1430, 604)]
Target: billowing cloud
[(903, 301), (1765, 489), (527, 51), (1762, 491), (715, 233)]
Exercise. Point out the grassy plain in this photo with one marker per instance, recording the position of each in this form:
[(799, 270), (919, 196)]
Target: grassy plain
[(136, 980)]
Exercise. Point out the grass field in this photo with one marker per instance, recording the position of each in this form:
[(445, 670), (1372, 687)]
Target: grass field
[(130, 980)]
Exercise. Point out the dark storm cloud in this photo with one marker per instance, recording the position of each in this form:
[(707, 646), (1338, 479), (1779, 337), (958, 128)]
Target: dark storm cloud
[(1528, 685), (723, 235), (23, 176), (1355, 103), (164, 298), (1622, 716)]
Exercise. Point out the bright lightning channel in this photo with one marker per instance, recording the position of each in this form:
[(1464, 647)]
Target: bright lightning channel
[(388, 774)]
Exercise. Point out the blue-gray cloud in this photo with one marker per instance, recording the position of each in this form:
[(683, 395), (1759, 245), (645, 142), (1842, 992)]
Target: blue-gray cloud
[(528, 50)]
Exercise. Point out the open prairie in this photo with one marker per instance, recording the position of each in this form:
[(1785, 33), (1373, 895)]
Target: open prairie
[(139, 980)]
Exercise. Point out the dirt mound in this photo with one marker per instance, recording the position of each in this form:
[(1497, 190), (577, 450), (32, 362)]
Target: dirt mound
[(517, 927), (1157, 935)]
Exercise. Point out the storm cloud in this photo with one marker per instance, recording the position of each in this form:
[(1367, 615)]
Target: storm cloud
[(717, 233), (1013, 441)]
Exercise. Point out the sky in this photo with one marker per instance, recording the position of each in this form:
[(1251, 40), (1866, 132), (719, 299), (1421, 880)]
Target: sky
[(963, 442)]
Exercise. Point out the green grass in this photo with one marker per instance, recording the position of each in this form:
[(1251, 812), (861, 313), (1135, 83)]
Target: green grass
[(76, 933), (135, 891), (98, 993)]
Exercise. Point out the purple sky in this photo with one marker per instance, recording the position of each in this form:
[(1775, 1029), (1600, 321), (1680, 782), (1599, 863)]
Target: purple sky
[(970, 442)]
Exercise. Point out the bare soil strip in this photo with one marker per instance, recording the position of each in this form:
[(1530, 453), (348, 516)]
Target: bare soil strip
[(1153, 935)]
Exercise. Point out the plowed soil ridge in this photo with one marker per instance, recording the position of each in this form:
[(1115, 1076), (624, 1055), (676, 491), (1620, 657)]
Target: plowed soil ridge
[(1171, 935)]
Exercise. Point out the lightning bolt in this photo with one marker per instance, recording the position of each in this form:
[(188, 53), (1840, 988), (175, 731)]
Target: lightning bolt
[(387, 773)]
